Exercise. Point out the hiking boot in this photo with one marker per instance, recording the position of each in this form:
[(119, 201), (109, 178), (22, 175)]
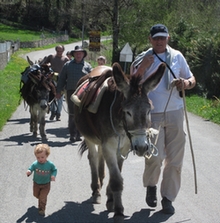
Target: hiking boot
[(167, 206), (52, 116), (151, 197)]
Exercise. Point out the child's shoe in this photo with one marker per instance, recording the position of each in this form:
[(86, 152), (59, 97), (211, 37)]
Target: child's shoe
[(41, 212)]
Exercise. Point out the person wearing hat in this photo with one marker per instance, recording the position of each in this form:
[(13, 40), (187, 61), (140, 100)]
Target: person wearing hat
[(167, 116), (72, 71), (101, 60)]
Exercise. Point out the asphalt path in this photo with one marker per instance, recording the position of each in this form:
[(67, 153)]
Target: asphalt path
[(35, 55), (69, 199)]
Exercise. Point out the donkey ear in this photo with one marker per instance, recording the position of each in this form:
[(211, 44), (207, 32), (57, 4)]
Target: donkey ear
[(120, 78), (153, 80), (29, 61)]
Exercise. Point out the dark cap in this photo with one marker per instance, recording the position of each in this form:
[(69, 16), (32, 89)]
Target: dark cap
[(79, 49), (159, 30)]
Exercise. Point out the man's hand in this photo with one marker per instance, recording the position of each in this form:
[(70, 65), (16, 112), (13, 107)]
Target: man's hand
[(182, 84), (147, 61)]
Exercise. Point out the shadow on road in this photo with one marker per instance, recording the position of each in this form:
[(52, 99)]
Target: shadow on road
[(71, 212), (144, 216), (52, 133), (22, 139), (18, 121), (82, 213), (28, 138), (58, 132)]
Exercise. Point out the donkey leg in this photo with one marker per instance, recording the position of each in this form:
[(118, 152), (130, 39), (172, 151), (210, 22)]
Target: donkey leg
[(31, 124), (41, 117), (109, 202), (115, 186), (109, 193), (114, 191), (33, 121), (101, 167), (93, 156)]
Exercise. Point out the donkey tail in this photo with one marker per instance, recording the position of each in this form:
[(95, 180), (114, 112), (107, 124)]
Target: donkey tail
[(82, 147)]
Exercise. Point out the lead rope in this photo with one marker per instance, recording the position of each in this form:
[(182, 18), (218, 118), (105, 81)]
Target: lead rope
[(164, 114), (117, 133), (188, 130)]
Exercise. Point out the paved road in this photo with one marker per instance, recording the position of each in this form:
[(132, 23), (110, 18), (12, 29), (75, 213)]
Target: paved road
[(69, 198), (35, 55)]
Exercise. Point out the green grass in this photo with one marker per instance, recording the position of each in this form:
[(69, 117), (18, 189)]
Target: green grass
[(9, 87), (14, 33), (8, 33), (207, 109)]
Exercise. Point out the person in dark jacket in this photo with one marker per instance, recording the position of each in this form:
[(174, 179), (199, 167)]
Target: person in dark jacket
[(71, 73)]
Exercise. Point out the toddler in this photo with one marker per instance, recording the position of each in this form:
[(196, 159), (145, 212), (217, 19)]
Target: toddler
[(44, 172)]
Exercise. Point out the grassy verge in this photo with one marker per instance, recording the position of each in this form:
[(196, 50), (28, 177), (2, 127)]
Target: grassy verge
[(9, 87), (14, 33), (207, 109)]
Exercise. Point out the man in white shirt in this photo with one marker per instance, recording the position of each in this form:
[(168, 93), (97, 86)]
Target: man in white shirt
[(167, 116)]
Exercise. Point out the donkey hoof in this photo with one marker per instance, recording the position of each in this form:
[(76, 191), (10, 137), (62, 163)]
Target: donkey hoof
[(119, 218), (96, 199), (44, 137), (34, 134)]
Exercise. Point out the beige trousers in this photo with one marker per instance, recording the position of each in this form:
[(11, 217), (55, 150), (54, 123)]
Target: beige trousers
[(170, 145)]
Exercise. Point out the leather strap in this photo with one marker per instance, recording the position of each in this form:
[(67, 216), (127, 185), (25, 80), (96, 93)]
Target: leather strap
[(180, 93), (165, 63)]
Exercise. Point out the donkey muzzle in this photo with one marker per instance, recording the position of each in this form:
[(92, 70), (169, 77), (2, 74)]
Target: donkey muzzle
[(43, 104)]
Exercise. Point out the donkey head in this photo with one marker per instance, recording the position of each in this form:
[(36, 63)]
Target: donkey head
[(136, 106), (40, 85), (43, 97)]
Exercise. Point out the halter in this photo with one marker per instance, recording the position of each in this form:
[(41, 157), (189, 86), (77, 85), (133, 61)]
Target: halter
[(152, 149)]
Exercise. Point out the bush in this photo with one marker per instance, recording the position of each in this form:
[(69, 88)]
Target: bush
[(202, 52)]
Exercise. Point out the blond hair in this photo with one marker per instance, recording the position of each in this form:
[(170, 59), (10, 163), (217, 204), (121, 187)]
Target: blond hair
[(42, 148)]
